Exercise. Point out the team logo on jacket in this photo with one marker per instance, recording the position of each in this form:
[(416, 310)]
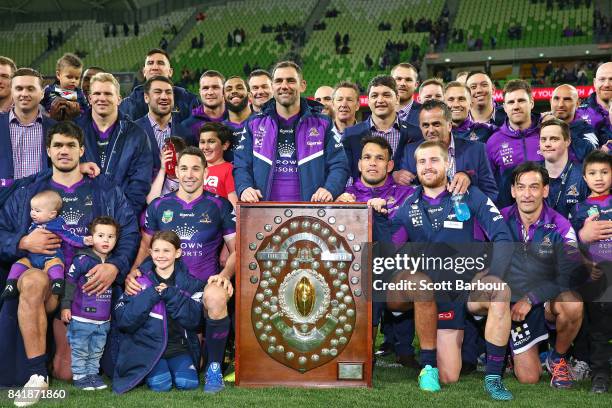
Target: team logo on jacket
[(167, 216), (572, 190), (505, 145), (205, 219), (415, 216), (313, 132), (88, 201), (545, 248), (586, 118), (473, 136)]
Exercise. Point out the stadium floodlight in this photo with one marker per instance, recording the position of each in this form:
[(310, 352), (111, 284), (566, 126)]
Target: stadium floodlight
[(447, 60)]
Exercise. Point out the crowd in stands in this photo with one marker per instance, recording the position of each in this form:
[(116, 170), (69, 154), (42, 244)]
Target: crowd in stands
[(109, 29)]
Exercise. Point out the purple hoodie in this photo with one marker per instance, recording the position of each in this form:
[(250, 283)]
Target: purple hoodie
[(506, 149), (395, 194)]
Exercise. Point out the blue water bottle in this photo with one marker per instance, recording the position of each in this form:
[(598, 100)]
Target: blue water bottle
[(462, 211)]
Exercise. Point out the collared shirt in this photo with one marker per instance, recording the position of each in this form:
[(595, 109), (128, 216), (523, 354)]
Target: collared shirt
[(405, 111), (26, 143), (160, 134), (392, 135)]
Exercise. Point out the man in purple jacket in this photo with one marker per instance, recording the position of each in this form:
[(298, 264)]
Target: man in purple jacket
[(595, 107), (516, 141), (213, 104)]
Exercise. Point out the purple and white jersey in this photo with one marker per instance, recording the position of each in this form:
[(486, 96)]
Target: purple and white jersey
[(202, 225), (77, 211), (285, 179)]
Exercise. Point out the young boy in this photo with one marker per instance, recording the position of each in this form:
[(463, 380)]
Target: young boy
[(45, 208), (63, 99), (215, 138), (592, 219), (89, 315)]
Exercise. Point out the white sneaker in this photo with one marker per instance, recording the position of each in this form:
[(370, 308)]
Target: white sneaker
[(581, 369), (31, 392)]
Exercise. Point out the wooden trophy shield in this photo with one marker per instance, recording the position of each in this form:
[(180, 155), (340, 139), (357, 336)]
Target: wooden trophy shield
[(303, 304)]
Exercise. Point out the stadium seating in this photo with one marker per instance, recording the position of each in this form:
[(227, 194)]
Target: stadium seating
[(259, 48), (541, 27), (118, 53), (360, 18), (26, 41)]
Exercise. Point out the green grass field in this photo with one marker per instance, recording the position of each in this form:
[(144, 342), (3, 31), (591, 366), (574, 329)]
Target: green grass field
[(394, 386)]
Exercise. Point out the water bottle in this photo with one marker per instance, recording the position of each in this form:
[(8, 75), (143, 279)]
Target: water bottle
[(171, 165), (462, 211)]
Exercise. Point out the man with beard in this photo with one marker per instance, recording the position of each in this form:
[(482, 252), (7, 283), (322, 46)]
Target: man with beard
[(563, 106), (24, 321), (345, 104), (205, 223), (236, 93), (484, 109), (119, 147), (517, 141), (7, 69), (407, 80), (430, 215), (23, 129), (323, 95), (595, 109), (86, 79), (288, 152), (382, 100), (157, 62), (432, 88), (260, 84), (213, 104), (457, 97), (468, 160), (160, 123)]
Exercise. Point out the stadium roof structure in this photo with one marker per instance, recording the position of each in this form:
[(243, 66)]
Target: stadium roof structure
[(58, 6)]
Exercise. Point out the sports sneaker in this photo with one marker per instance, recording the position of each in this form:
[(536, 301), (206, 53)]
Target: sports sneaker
[(97, 382), (429, 379), (31, 391), (496, 388), (84, 383), (600, 383), (562, 376), (581, 369), (214, 379), (10, 290)]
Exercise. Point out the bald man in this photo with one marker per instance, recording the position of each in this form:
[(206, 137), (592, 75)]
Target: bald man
[(595, 108), (323, 95), (563, 106)]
